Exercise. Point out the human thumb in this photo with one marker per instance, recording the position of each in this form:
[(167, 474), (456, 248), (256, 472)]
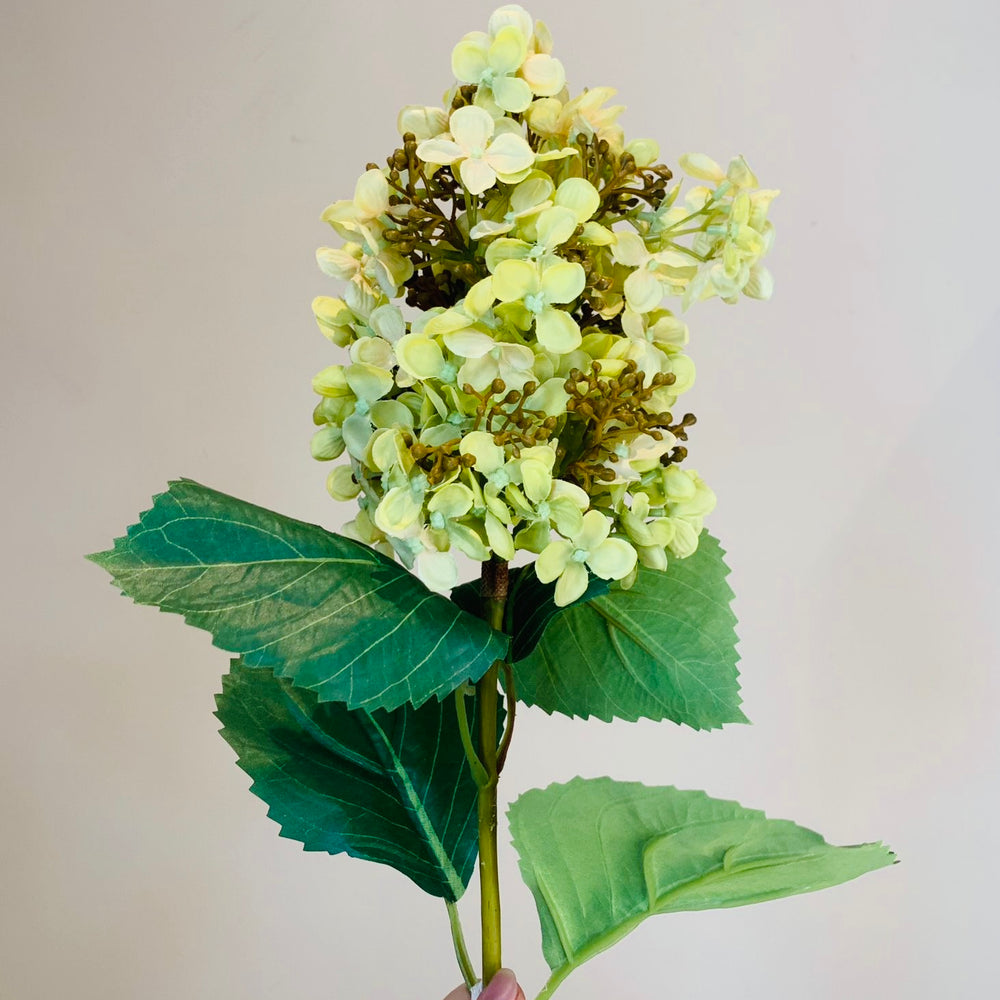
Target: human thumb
[(503, 986)]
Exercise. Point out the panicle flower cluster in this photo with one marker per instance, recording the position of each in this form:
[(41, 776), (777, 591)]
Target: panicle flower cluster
[(513, 370)]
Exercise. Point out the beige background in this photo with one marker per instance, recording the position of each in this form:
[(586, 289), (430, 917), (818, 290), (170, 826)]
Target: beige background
[(164, 168)]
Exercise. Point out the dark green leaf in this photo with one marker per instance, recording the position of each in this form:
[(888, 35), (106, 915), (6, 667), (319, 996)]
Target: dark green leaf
[(330, 614), (391, 787), (664, 649), (600, 856)]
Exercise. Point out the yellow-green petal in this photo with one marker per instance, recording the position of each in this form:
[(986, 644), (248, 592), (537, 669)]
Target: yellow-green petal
[(571, 585), (579, 196), (545, 75), (341, 484), (557, 331), (452, 500), (488, 455), (468, 60), (420, 356), (553, 560), (513, 279), (563, 282), (613, 559)]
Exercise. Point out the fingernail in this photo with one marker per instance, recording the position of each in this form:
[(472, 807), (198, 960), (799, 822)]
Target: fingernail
[(503, 986)]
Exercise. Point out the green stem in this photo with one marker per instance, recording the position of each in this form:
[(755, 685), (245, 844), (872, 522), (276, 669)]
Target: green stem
[(475, 764), (461, 952), (494, 591)]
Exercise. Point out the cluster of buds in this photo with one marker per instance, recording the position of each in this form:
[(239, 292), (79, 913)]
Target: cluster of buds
[(512, 368)]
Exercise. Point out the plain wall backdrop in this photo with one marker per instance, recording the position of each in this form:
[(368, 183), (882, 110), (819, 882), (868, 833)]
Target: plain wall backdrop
[(163, 172)]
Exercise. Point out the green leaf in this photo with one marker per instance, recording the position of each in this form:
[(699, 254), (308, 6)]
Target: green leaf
[(664, 649), (330, 614), (600, 856), (530, 607), (391, 787)]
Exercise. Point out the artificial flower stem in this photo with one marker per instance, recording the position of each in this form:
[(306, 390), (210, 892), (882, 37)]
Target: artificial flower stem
[(461, 952), (489, 879), (479, 774), (494, 591), (508, 732)]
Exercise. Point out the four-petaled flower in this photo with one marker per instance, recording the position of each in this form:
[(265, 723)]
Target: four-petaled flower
[(481, 159), (566, 561), (539, 290)]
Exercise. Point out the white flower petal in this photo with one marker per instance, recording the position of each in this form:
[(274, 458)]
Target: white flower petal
[(469, 343), (423, 122), (511, 14), (444, 151), (438, 570), (471, 128), (477, 175)]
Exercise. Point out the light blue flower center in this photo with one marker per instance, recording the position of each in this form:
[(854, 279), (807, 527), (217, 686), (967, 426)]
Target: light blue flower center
[(534, 302), (621, 450), (536, 251), (448, 372), (363, 407), (437, 520), (544, 510), (418, 485), (487, 76), (476, 152), (511, 216), (579, 555), (652, 265), (500, 478)]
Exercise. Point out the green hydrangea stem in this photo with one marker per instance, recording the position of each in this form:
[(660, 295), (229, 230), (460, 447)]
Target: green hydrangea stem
[(494, 591), (461, 952)]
